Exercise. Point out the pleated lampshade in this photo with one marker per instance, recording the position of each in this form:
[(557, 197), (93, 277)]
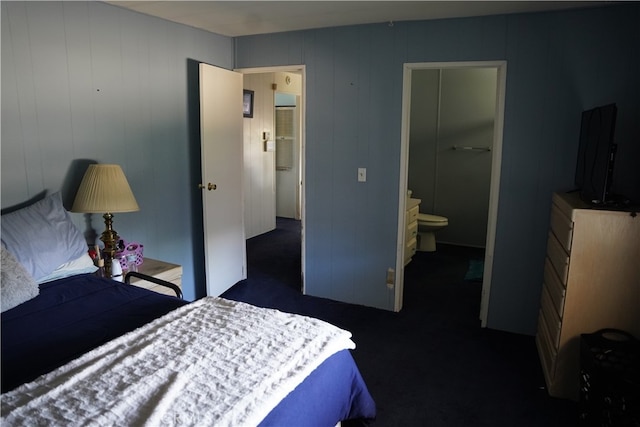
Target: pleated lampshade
[(104, 188)]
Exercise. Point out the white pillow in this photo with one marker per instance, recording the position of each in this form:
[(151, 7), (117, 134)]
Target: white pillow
[(16, 285), (81, 265), (42, 236)]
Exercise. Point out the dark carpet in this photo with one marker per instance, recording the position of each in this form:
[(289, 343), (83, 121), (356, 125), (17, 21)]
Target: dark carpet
[(430, 364)]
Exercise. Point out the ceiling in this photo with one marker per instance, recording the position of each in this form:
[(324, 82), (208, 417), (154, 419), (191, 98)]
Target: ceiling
[(241, 18)]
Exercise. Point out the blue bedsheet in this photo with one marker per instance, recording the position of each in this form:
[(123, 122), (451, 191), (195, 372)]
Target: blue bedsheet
[(74, 315), (333, 392), (70, 317)]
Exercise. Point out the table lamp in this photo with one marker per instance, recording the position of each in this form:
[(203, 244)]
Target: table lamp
[(104, 189)]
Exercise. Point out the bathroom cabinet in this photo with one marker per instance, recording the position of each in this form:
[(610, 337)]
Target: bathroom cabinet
[(591, 281), (411, 229)]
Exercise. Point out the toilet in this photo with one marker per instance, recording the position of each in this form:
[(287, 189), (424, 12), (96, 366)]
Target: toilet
[(427, 226)]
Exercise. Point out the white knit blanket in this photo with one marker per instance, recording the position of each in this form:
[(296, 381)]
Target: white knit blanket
[(213, 362)]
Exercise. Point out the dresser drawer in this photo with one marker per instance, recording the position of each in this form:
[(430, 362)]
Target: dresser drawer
[(410, 249), (159, 288), (562, 227), (559, 257), (160, 270), (548, 352), (412, 214), (567, 202), (555, 287), (412, 231), (551, 318)]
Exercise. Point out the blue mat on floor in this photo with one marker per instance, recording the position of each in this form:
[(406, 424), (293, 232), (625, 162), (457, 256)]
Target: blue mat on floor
[(475, 271)]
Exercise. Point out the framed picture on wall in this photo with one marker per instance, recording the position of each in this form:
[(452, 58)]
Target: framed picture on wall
[(247, 103)]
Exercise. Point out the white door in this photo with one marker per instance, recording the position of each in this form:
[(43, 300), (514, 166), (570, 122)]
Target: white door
[(221, 145)]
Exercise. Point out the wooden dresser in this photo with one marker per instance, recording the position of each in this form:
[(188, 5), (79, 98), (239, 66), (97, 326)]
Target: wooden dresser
[(411, 230), (591, 282)]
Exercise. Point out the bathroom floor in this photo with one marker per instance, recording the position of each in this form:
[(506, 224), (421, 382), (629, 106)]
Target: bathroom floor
[(447, 269)]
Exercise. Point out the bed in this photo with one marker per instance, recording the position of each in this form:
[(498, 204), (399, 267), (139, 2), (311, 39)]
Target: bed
[(80, 349)]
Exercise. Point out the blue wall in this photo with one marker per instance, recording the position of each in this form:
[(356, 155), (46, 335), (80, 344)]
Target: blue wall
[(558, 64), (89, 81), (86, 81)]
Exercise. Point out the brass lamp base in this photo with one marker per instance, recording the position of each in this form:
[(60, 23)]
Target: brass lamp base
[(110, 239)]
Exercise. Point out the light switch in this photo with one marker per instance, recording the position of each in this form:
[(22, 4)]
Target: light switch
[(362, 174)]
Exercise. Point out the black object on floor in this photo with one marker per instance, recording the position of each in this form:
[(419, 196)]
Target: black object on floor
[(609, 379)]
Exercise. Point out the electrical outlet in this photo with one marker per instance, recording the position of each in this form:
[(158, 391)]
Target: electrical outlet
[(362, 174), (391, 278)]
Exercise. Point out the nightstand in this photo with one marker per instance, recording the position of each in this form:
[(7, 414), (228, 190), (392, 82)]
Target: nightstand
[(160, 270)]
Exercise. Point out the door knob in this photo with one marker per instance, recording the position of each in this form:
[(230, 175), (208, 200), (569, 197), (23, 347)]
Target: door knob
[(209, 187)]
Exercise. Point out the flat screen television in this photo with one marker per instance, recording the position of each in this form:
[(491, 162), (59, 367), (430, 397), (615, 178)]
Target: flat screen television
[(596, 154)]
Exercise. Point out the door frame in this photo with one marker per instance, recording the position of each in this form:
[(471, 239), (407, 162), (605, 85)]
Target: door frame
[(496, 163), (302, 70)]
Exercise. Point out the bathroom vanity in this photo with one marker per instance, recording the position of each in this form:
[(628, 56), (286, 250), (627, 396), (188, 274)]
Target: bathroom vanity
[(411, 229), (591, 282)]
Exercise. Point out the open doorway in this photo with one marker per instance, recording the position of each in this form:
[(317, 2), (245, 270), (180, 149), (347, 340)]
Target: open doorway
[(274, 162), (461, 149)]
